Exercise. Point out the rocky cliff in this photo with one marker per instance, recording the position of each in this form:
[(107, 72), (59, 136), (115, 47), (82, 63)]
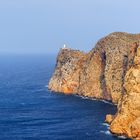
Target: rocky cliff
[(127, 119), (105, 73)]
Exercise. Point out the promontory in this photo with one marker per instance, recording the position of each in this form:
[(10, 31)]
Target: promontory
[(110, 71)]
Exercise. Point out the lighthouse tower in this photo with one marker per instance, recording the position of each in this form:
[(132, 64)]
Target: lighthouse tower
[(65, 46)]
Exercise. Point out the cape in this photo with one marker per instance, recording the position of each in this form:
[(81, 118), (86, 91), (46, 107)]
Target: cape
[(110, 71)]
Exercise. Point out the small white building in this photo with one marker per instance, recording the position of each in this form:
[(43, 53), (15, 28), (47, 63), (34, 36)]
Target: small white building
[(65, 47)]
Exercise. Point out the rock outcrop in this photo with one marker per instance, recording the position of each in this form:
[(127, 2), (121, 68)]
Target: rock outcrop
[(66, 76), (127, 120), (99, 73), (105, 73)]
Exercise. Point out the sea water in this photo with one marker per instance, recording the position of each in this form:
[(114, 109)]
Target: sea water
[(29, 111)]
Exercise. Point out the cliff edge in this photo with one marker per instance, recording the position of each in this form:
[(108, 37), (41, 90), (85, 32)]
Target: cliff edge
[(127, 119), (104, 73)]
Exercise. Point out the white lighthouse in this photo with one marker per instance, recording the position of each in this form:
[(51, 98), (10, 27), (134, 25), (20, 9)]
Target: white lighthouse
[(65, 46)]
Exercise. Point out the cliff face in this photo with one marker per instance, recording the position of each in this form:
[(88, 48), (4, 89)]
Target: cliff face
[(99, 73), (102, 73), (67, 73), (127, 120)]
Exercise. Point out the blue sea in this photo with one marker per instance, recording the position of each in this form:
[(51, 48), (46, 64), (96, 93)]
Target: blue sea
[(29, 111)]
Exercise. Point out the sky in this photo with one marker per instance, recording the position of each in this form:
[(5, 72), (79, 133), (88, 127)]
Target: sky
[(43, 26)]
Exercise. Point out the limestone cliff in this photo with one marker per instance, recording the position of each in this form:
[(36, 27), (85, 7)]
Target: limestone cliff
[(67, 73), (127, 120), (101, 74)]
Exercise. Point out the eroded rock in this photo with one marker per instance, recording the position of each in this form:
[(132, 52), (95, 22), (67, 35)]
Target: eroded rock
[(127, 120), (109, 118), (99, 73), (110, 71)]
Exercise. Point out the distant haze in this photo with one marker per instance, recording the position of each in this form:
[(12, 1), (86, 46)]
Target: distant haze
[(43, 26)]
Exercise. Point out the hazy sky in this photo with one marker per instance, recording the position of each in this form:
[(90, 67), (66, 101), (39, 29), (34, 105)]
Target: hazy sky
[(43, 26)]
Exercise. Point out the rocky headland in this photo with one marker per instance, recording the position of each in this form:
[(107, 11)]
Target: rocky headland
[(110, 71)]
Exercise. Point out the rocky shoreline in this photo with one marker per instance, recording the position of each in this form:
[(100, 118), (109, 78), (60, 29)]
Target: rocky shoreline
[(110, 71)]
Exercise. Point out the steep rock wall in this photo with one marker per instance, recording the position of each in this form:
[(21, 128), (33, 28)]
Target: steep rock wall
[(99, 73), (110, 71), (127, 119)]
